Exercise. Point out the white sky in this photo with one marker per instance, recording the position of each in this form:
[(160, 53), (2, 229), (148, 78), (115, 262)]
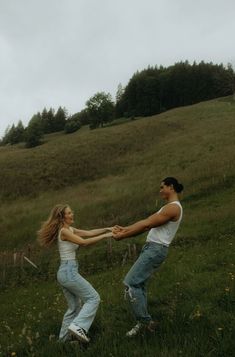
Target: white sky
[(61, 52)]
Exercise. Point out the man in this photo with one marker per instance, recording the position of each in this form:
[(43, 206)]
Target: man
[(162, 227)]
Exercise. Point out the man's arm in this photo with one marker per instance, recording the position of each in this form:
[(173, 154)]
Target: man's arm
[(168, 213)]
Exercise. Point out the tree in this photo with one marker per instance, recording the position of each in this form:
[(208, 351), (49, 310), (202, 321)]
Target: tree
[(84, 117), (7, 135), (14, 134), (18, 133), (59, 119), (72, 124), (51, 120), (34, 132), (44, 120), (119, 101), (100, 108), (119, 93)]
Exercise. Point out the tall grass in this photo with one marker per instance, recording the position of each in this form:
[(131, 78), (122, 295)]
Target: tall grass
[(112, 176), (180, 141), (192, 296)]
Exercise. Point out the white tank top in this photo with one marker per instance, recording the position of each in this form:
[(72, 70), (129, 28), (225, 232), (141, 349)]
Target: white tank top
[(165, 233), (67, 249)]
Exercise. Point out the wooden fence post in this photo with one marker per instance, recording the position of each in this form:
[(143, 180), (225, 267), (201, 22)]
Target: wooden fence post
[(29, 251), (134, 250), (124, 258), (22, 260), (4, 267), (129, 250), (14, 258)]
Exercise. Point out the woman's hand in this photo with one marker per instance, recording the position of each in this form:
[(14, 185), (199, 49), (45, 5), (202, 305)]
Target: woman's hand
[(108, 234), (109, 229)]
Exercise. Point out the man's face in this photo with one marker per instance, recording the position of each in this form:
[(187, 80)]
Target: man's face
[(165, 190)]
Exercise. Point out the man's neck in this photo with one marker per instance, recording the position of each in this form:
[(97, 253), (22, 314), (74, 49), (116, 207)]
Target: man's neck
[(173, 198)]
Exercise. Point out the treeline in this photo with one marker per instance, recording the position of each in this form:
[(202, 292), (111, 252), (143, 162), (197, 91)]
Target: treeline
[(157, 89), (148, 92), (46, 122), (99, 110)]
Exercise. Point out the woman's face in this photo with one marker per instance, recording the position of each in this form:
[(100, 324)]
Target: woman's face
[(68, 216), (165, 191)]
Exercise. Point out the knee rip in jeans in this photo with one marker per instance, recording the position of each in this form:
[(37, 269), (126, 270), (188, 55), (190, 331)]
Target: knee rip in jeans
[(128, 293)]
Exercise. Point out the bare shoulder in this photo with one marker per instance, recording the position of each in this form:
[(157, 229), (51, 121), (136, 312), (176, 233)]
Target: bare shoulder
[(64, 233), (172, 210)]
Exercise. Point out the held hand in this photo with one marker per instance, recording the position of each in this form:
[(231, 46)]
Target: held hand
[(109, 229), (117, 229), (118, 235), (108, 235), (117, 232)]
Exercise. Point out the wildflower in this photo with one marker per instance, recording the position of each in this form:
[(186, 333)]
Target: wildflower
[(51, 337), (227, 290), (220, 328), (29, 340), (23, 332), (197, 314)]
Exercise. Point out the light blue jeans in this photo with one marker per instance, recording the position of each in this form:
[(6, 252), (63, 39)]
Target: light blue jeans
[(149, 260), (83, 300)]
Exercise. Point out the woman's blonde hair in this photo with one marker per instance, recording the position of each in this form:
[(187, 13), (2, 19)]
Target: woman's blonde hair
[(49, 230)]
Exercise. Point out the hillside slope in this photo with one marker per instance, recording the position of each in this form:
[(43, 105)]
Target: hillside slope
[(196, 139), (111, 176)]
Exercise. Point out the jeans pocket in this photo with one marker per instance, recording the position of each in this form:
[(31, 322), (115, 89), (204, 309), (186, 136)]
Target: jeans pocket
[(158, 256), (62, 276), (72, 272)]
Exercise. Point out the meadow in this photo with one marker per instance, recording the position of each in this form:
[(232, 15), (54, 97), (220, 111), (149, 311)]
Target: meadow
[(112, 176)]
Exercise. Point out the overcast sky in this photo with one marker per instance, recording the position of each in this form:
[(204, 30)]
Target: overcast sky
[(60, 52)]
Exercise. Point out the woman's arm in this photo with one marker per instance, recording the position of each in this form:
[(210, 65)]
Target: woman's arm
[(92, 232), (66, 234)]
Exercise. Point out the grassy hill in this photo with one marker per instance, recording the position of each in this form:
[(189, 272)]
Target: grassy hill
[(109, 176)]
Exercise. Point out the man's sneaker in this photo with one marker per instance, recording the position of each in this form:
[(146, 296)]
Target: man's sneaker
[(79, 333), (152, 326), (135, 330)]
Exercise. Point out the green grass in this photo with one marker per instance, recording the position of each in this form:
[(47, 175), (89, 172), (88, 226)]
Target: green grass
[(192, 296), (110, 176)]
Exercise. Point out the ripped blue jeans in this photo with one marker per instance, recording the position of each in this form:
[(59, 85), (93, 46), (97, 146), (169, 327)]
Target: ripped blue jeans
[(149, 260)]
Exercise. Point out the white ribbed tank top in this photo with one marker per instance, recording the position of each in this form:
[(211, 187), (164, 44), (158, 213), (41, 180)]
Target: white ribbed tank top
[(165, 233), (67, 249)]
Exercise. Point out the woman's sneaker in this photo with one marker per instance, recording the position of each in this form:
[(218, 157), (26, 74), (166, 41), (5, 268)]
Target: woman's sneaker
[(79, 333), (135, 330)]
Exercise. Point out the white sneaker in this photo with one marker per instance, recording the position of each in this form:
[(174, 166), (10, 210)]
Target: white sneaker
[(79, 333), (135, 330)]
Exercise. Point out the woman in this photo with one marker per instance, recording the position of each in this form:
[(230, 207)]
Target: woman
[(162, 227), (77, 319)]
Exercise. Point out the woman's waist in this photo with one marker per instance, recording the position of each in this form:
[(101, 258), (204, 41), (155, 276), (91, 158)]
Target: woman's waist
[(65, 262)]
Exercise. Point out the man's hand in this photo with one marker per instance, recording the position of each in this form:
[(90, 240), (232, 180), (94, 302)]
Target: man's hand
[(117, 232)]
